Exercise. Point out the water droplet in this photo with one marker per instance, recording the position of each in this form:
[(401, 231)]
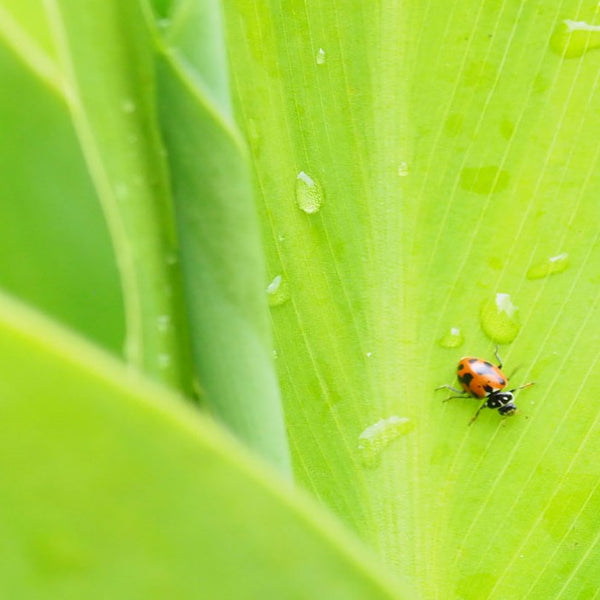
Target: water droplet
[(484, 180), (278, 291), (452, 338), (128, 105), (309, 195), (574, 38), (554, 264), (321, 56), (163, 23), (275, 355), (163, 322), (500, 319), (403, 169), (369, 354), (376, 437)]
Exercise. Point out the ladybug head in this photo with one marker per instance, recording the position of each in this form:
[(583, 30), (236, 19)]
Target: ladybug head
[(504, 402), (508, 409)]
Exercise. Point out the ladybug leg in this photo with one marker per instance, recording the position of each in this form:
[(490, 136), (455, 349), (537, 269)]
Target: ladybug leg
[(459, 393), (498, 357), (474, 417)]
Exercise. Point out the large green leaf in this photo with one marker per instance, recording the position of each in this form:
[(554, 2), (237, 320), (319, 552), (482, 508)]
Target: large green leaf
[(455, 150), (421, 170)]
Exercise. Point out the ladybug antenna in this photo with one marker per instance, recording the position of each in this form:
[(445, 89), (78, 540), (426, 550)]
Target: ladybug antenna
[(525, 385)]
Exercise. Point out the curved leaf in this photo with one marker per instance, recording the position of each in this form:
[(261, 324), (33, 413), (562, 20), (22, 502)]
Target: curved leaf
[(113, 488)]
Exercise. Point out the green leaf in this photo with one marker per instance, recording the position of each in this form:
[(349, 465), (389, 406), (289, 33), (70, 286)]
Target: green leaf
[(112, 487), (56, 251), (106, 60), (222, 259), (455, 153)]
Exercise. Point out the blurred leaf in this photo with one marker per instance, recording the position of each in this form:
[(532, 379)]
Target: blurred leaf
[(106, 59), (53, 240), (113, 488), (222, 259)]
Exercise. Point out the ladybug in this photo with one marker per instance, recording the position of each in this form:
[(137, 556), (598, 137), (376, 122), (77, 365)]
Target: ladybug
[(482, 380)]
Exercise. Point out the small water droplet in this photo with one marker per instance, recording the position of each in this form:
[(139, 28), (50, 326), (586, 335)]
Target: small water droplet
[(403, 169), (128, 105), (163, 23), (550, 266), (278, 291), (163, 322), (453, 338), (376, 437), (275, 355), (484, 180), (321, 57), (369, 354), (574, 38), (309, 195), (500, 319)]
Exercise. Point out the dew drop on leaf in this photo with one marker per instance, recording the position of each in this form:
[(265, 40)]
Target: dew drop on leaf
[(374, 439), (321, 56), (309, 194), (277, 291), (573, 39), (500, 319), (453, 338), (550, 266)]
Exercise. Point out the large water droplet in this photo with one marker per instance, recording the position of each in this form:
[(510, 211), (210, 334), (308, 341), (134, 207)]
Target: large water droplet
[(453, 338), (554, 264), (574, 38), (500, 319), (484, 180), (309, 194), (403, 170), (321, 56), (277, 291), (376, 437)]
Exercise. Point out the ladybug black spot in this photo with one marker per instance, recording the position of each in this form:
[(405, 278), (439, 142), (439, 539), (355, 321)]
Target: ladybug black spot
[(466, 378)]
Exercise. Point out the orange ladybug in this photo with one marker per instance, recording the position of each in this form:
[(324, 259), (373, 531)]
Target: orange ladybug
[(483, 380)]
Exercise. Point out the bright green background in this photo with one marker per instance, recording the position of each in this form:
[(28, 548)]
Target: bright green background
[(150, 164)]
